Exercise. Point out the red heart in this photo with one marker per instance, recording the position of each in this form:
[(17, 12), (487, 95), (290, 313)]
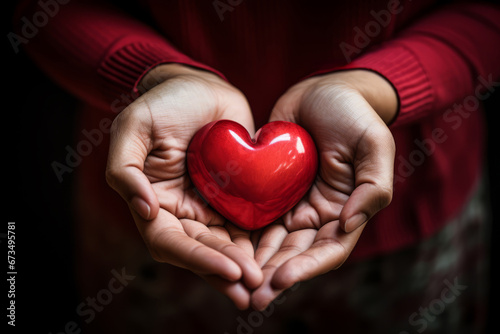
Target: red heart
[(252, 182)]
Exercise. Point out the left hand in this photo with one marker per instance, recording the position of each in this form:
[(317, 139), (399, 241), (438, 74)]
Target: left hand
[(346, 113)]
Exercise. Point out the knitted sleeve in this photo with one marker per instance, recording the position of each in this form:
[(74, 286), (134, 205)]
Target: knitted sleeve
[(92, 49)]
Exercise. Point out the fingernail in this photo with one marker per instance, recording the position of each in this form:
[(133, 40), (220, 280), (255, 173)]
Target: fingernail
[(141, 207), (355, 221)]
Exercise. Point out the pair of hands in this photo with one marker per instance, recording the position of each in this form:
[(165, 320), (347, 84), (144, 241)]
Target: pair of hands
[(346, 114)]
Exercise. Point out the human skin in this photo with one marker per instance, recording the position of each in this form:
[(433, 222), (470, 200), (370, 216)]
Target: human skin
[(146, 166), (346, 113)]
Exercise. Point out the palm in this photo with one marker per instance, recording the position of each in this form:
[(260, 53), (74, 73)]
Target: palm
[(182, 229), (356, 156)]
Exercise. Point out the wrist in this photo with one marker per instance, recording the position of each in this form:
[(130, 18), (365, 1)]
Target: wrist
[(374, 88), (379, 93), (164, 72)]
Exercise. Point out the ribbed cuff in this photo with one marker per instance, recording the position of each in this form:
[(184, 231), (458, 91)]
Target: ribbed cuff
[(124, 67)]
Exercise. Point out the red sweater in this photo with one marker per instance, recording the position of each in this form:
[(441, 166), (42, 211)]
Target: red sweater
[(442, 60)]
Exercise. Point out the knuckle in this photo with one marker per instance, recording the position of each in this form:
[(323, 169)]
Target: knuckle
[(155, 255), (119, 119), (115, 124), (128, 116), (385, 196), (111, 175), (153, 245)]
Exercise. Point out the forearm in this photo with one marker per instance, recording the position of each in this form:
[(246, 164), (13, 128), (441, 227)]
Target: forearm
[(98, 52), (437, 61)]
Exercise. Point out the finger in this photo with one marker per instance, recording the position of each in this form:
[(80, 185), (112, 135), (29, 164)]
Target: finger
[(286, 108), (220, 232), (237, 292), (179, 197), (321, 205), (251, 272), (168, 242), (365, 201), (266, 293), (240, 238), (374, 170), (269, 243), (255, 237), (303, 214), (236, 108), (129, 147), (330, 250), (295, 243)]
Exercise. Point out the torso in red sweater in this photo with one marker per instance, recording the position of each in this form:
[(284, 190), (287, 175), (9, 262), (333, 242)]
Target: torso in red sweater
[(441, 61)]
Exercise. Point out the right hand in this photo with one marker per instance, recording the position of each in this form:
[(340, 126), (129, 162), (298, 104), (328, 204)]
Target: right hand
[(147, 167)]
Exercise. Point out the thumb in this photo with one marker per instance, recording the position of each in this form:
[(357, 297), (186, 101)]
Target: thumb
[(373, 174), (286, 108), (129, 147)]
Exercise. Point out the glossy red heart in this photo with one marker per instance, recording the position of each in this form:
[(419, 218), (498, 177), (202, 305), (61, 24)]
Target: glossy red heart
[(252, 182)]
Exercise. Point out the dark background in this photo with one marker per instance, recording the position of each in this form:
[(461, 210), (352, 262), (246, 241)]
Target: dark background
[(38, 124), (38, 121)]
